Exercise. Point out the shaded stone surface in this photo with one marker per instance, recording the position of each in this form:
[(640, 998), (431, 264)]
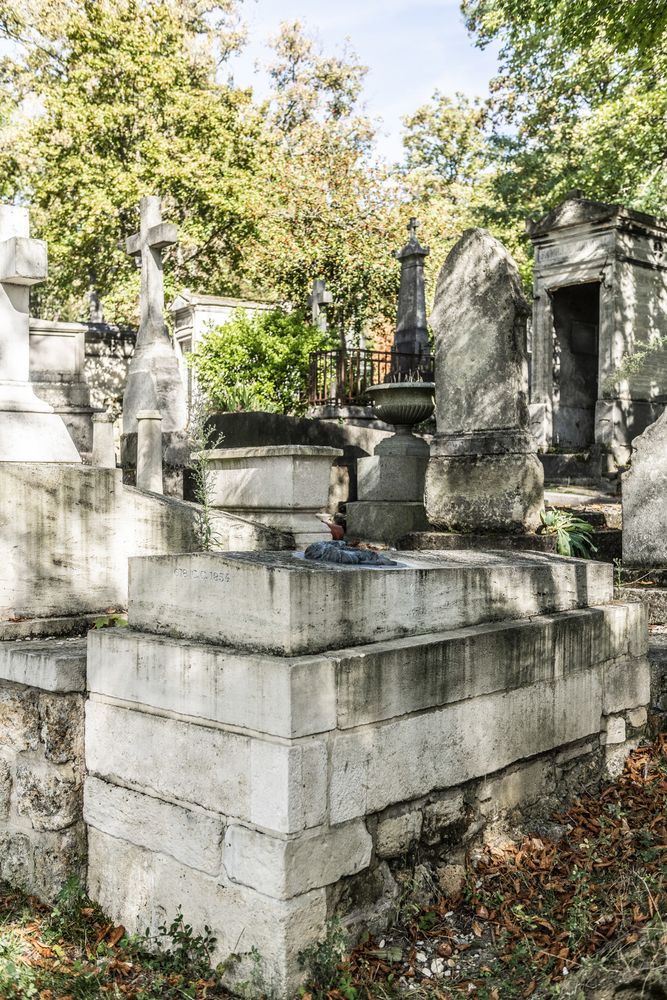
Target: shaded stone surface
[(483, 473), (645, 499)]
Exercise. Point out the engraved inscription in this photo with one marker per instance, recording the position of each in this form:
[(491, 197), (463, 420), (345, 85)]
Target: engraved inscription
[(201, 574)]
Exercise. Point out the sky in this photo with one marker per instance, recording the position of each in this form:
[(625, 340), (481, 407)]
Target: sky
[(411, 47)]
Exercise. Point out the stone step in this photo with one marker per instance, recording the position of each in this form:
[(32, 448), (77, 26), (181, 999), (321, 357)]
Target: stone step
[(278, 602), (57, 665)]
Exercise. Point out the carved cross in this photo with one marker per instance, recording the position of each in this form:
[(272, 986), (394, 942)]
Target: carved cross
[(153, 236), (23, 262), (318, 300), (413, 225)]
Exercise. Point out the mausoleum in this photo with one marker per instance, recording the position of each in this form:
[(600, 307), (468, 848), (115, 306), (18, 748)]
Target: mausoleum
[(599, 294)]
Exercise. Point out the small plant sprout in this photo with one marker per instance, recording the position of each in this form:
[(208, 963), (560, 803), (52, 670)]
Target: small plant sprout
[(573, 535)]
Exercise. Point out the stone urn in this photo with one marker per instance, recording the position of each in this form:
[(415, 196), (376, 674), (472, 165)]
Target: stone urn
[(403, 404)]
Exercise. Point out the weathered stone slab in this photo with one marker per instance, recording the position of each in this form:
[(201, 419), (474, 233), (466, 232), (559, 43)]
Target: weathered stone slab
[(280, 603), (278, 786), (376, 766), (51, 665), (645, 499), (191, 836), (280, 697), (392, 679)]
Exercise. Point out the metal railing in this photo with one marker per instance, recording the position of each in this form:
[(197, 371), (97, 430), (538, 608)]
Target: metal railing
[(341, 377)]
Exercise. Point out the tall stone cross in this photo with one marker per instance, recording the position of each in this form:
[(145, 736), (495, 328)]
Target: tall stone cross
[(318, 300), (154, 380), (30, 431), (411, 336)]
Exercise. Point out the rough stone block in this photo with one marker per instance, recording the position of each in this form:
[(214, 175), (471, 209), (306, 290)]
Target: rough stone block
[(56, 856), (374, 767), (19, 721), (613, 730), (520, 786), (16, 861), (139, 888), (397, 834), (49, 798), (5, 788), (287, 868), (193, 837), (637, 718), (61, 727), (446, 811), (279, 603), (279, 697)]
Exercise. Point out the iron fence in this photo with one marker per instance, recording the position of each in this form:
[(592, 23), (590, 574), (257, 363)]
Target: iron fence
[(341, 377)]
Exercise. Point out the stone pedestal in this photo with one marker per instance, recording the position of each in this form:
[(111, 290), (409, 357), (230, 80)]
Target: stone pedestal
[(149, 451), (284, 487), (391, 496), (257, 736), (484, 474), (104, 447), (30, 430)]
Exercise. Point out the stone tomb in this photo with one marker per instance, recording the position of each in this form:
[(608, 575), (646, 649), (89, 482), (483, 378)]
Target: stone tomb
[(268, 731), (599, 293)]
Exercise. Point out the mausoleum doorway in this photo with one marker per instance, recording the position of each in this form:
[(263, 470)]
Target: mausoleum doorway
[(576, 329)]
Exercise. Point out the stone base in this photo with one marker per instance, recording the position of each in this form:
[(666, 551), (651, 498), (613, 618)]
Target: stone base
[(489, 493), (384, 522), (443, 541), (392, 478), (29, 436), (303, 526), (175, 460)]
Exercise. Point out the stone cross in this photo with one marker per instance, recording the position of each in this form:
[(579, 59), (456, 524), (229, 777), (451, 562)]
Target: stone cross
[(411, 336), (318, 300), (30, 431), (153, 236), (154, 379)]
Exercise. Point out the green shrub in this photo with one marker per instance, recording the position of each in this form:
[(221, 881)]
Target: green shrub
[(258, 362), (573, 535)]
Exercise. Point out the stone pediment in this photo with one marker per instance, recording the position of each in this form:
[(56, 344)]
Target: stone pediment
[(576, 210)]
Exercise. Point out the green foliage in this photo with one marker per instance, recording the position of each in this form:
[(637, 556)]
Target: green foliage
[(323, 963), (639, 363), (202, 439), (573, 535), (262, 358), (181, 950), (110, 621)]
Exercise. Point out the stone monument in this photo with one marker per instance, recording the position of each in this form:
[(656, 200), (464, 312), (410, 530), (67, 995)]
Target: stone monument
[(411, 336), (30, 430), (645, 500), (390, 483), (599, 294), (154, 379), (484, 474)]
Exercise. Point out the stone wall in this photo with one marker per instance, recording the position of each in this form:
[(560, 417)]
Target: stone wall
[(42, 835)]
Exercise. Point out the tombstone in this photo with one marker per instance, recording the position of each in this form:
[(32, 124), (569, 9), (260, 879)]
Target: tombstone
[(599, 294), (154, 380), (411, 336), (30, 430), (484, 474), (645, 500), (318, 300)]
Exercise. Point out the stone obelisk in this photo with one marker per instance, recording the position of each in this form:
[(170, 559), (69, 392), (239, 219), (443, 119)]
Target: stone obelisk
[(30, 430), (411, 335)]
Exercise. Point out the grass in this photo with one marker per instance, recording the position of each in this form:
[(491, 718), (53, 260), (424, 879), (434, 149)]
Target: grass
[(72, 952)]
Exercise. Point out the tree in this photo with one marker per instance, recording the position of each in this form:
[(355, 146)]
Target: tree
[(330, 209), (258, 362), (123, 100), (581, 101)]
